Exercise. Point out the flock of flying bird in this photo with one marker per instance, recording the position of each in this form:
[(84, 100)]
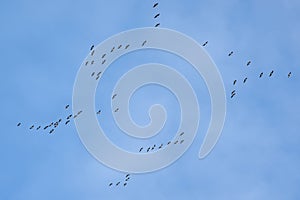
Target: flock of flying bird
[(53, 125), (270, 74)]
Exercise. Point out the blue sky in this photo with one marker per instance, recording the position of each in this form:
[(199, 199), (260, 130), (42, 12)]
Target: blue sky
[(43, 44)]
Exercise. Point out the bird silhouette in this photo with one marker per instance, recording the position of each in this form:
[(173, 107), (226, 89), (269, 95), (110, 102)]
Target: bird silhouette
[(92, 47), (19, 124), (141, 149), (144, 42), (31, 127), (103, 55), (289, 74), (234, 82), (248, 63), (119, 47), (245, 80), (112, 49), (157, 15), (127, 46), (157, 24), (155, 5), (205, 44), (230, 53), (271, 73), (261, 74)]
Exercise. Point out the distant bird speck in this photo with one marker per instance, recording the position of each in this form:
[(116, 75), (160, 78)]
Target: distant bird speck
[(112, 49), (144, 42), (205, 43), (98, 112), (289, 74), (157, 24), (230, 54), (155, 5), (103, 55), (127, 46), (118, 183), (248, 63), (245, 80), (271, 73), (31, 127), (117, 110), (157, 15), (38, 127), (141, 149), (51, 131), (19, 124), (261, 74), (67, 106), (110, 184), (92, 47), (67, 122), (234, 82), (119, 47)]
